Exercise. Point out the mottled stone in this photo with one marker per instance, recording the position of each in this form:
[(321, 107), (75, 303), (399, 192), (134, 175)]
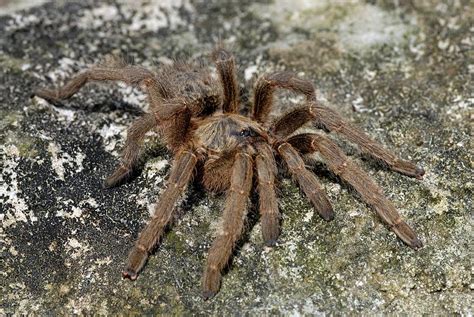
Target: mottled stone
[(399, 69)]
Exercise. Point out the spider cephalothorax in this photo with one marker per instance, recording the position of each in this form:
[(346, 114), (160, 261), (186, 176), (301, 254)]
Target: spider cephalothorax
[(199, 119)]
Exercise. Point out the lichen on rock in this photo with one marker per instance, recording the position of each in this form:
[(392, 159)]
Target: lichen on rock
[(400, 70)]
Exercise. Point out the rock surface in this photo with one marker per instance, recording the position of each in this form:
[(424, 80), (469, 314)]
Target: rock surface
[(401, 72)]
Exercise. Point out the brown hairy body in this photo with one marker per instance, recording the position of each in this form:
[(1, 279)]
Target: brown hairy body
[(198, 118)]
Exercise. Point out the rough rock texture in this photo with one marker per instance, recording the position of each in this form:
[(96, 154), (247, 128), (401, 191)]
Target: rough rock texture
[(399, 69)]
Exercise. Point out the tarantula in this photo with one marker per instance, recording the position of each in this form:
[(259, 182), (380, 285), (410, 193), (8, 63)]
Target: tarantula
[(198, 116)]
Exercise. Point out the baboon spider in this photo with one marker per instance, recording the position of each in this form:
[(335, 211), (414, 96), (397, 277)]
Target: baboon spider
[(198, 118)]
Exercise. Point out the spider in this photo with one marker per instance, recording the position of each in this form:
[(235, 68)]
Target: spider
[(198, 116)]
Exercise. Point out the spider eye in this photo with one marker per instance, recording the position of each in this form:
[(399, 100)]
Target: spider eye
[(245, 132)]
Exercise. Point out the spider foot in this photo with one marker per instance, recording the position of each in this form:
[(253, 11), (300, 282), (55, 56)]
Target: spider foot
[(416, 243), (208, 294), (419, 172), (271, 242), (407, 235), (323, 207), (48, 95), (118, 177), (130, 274), (270, 228), (211, 282), (409, 169), (327, 213)]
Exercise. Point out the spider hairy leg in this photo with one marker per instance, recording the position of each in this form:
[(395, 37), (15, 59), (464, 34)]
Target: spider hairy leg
[(176, 122), (135, 135), (292, 121), (132, 75), (179, 178), (268, 204), (216, 175), (233, 218), (307, 181), (370, 192), (332, 121), (266, 85), (225, 63)]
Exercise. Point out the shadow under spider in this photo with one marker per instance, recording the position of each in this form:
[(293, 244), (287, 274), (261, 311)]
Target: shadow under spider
[(150, 152), (105, 106)]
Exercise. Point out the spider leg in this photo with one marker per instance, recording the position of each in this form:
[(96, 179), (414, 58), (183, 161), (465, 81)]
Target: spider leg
[(332, 121), (225, 63), (323, 117), (175, 119), (179, 178), (135, 135), (268, 204), (266, 85), (370, 192), (233, 218), (132, 75), (292, 120), (216, 170), (307, 181), (329, 119)]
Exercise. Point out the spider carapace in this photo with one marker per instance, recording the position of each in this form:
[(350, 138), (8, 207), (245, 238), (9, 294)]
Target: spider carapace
[(198, 116)]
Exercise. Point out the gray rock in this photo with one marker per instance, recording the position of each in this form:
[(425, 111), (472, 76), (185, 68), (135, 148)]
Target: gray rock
[(401, 72)]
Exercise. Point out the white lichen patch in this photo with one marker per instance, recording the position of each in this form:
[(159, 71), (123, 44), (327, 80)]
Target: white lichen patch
[(289, 270), (250, 72), (62, 212), (13, 251), (156, 166), (145, 198), (439, 195), (75, 250), (151, 209), (71, 210), (288, 14), (20, 21), (61, 159), (133, 96), (308, 216), (356, 33), (90, 201), (78, 159), (156, 14), (460, 108), (145, 15), (74, 243), (15, 207), (97, 17), (66, 67), (8, 7), (65, 115), (104, 261), (76, 212), (112, 134), (353, 24)]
